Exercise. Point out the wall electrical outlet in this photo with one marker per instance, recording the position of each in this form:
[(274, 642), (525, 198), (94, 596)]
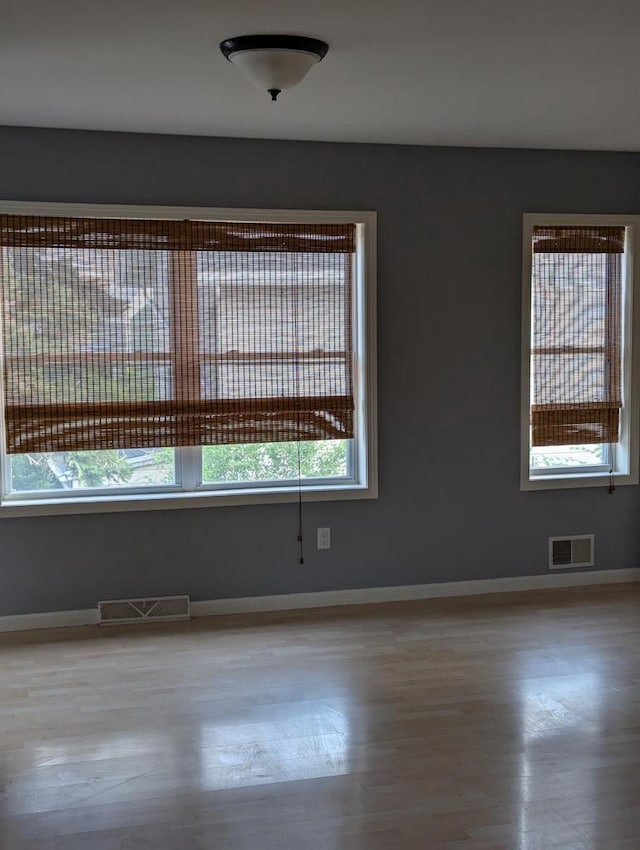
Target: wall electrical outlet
[(324, 538)]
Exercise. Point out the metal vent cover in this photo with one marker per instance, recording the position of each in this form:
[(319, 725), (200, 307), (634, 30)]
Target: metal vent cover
[(151, 608), (569, 552)]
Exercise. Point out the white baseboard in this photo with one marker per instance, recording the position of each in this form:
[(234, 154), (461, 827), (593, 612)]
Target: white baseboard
[(329, 598), (48, 620), (366, 595)]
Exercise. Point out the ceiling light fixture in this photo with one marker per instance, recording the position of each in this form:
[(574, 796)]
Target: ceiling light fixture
[(274, 62)]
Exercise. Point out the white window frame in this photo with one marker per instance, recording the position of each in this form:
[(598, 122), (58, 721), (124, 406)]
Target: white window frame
[(361, 483), (626, 452)]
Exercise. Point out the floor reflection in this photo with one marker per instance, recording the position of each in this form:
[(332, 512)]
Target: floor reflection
[(560, 719), (49, 754), (256, 746), (77, 771), (304, 740)]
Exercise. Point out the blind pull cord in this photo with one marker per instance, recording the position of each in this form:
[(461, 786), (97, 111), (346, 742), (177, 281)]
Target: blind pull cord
[(297, 377)]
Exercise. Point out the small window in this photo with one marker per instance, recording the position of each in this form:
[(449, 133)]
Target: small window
[(192, 358), (577, 334)]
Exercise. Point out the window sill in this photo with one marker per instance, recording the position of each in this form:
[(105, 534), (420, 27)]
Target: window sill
[(173, 501), (576, 480)]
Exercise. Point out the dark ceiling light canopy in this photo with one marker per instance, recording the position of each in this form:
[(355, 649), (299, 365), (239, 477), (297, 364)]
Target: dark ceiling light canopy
[(274, 62)]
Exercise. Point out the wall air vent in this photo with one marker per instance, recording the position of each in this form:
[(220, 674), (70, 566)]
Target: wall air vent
[(568, 552), (116, 611)]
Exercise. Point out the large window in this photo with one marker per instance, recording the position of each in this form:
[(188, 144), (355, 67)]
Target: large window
[(165, 357), (577, 363)]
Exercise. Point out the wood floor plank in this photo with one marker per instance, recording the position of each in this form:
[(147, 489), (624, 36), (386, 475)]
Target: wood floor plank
[(493, 723)]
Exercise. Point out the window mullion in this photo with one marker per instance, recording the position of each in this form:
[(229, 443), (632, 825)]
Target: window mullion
[(189, 461), (7, 484)]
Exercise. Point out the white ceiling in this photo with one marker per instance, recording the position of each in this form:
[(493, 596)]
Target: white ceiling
[(548, 73)]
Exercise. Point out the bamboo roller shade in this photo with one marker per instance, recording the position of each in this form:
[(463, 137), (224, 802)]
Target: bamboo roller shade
[(141, 333), (576, 354)]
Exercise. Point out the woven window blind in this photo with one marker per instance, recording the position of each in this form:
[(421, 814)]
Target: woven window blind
[(576, 335), (141, 333)]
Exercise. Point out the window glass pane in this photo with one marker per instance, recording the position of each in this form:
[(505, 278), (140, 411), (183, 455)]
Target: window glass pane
[(87, 470), (274, 327), (571, 356), (549, 457), (274, 461), (89, 328)]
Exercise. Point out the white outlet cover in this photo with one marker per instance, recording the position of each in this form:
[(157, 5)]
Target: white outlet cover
[(324, 538)]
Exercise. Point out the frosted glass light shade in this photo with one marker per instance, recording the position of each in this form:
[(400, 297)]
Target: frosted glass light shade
[(274, 62), (274, 69)]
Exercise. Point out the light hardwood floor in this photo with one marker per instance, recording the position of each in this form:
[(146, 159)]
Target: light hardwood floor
[(498, 723)]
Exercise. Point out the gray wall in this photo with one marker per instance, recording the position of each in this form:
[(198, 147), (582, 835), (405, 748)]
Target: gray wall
[(449, 363)]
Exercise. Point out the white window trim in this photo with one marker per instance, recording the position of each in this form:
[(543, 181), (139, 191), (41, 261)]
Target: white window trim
[(626, 471), (363, 484)]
